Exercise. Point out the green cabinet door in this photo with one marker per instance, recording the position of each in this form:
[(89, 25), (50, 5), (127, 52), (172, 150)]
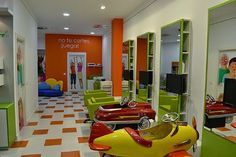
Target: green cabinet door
[(7, 125)]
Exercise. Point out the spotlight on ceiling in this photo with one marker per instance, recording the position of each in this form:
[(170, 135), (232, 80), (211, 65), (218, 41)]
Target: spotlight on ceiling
[(178, 40), (92, 33), (103, 7), (66, 28), (66, 14)]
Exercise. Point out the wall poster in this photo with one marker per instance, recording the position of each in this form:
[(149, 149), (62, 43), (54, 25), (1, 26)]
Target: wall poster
[(76, 71), (20, 52)]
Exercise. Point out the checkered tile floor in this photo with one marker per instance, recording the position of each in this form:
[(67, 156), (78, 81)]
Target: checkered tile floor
[(55, 130)]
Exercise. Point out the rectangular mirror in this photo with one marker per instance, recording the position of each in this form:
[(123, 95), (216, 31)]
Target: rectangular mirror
[(174, 68), (169, 64), (144, 67), (220, 109)]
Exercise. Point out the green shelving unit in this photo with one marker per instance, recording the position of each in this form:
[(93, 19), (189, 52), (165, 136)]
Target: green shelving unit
[(184, 65), (7, 125), (150, 60), (131, 67)]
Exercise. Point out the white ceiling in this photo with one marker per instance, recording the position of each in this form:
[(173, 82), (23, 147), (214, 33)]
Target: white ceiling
[(84, 14)]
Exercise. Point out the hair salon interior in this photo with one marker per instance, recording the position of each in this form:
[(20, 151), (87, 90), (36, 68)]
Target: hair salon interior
[(109, 78)]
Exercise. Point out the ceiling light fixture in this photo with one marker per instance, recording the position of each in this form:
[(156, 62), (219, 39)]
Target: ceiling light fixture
[(66, 28), (103, 7), (92, 33), (178, 35), (66, 14), (178, 40)]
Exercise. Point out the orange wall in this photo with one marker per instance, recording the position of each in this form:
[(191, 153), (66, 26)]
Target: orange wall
[(56, 55), (141, 56), (116, 56)]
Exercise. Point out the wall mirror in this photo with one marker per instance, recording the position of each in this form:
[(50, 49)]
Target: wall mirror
[(174, 68), (144, 67), (220, 108)]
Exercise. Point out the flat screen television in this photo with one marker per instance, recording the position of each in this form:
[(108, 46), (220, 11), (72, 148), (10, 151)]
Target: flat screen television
[(176, 83), (128, 75), (229, 97), (131, 75), (145, 77)]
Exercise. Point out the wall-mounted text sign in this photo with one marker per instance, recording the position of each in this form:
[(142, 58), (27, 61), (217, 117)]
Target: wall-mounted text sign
[(71, 43)]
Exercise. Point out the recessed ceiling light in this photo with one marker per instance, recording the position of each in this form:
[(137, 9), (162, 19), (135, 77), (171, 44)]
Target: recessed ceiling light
[(92, 33), (66, 28), (66, 14), (178, 40), (178, 35), (103, 7)]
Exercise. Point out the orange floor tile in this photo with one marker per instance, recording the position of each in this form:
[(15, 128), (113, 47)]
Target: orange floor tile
[(56, 123), (60, 103), (43, 103), (46, 116), (52, 100), (39, 111), (223, 129), (83, 139), (40, 132), (70, 154), (79, 121), (32, 124), (19, 144), (69, 130), (52, 142), (69, 115), (76, 102), (31, 155), (78, 110), (68, 100), (69, 106), (50, 106), (58, 111)]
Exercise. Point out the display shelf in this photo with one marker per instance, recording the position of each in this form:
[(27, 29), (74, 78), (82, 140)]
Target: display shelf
[(185, 53), (130, 66), (150, 60), (185, 63)]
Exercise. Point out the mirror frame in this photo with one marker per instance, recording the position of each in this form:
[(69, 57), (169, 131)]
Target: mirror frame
[(150, 62), (207, 131), (184, 67)]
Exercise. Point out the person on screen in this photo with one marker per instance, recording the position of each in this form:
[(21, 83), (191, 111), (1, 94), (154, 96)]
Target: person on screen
[(232, 69), (231, 75)]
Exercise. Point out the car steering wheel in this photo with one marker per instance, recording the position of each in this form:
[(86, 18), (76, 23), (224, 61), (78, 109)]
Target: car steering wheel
[(132, 103), (170, 117), (123, 101)]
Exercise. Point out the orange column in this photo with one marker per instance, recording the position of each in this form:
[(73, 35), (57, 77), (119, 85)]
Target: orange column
[(116, 56)]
